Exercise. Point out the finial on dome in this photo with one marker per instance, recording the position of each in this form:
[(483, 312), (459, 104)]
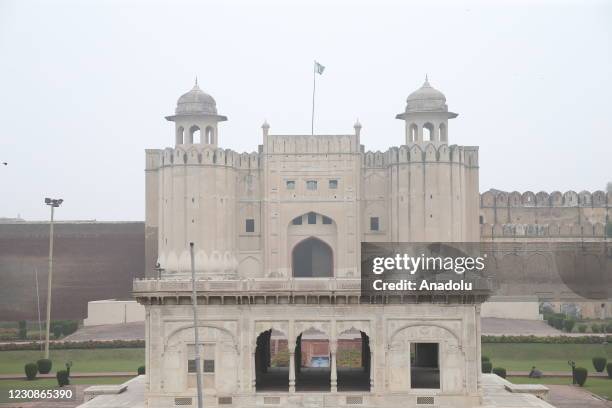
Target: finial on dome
[(196, 82), (265, 127), (426, 80)]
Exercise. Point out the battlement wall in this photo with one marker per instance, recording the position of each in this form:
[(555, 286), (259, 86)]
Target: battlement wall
[(434, 153), (570, 198)]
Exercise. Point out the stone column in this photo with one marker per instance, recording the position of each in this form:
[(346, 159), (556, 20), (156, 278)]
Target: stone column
[(334, 371), (372, 371), (253, 372), (291, 371)]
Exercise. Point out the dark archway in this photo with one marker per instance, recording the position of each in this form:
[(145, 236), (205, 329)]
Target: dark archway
[(312, 361), (272, 362), (353, 361), (312, 258)]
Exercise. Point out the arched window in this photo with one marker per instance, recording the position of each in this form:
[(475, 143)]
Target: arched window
[(209, 137), (180, 133), (413, 133), (312, 258), (428, 132), (443, 137), (194, 134)]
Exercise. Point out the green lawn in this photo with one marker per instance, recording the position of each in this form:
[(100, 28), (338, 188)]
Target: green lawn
[(547, 357), (6, 385), (599, 386), (83, 361)]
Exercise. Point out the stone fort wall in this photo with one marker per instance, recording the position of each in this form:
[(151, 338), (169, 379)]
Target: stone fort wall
[(553, 215)]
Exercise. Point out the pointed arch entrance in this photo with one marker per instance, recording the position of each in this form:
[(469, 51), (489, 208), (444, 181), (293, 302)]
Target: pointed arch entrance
[(312, 258)]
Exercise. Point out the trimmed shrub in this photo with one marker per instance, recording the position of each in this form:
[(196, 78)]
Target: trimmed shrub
[(31, 369), (609, 369), (487, 367), (582, 328), (595, 328), (608, 328), (589, 339), (62, 378), (141, 370), (568, 325), (599, 363), (90, 345), (23, 330), (57, 328), (44, 365), (485, 358), (581, 375), (500, 371)]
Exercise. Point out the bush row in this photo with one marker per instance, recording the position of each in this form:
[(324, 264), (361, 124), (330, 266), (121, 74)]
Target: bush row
[(547, 340), (63, 345)]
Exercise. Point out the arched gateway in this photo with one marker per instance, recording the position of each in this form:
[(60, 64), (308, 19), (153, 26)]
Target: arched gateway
[(312, 258)]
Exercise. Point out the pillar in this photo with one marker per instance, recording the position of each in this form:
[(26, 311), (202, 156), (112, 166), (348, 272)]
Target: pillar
[(253, 372), (371, 370), (291, 371), (334, 370)]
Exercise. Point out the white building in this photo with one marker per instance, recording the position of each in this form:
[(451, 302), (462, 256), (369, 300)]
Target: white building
[(277, 238)]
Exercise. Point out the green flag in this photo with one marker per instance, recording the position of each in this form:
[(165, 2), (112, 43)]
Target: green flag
[(319, 68)]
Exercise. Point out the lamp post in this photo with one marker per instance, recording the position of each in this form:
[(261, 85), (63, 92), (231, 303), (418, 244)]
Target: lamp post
[(53, 203)]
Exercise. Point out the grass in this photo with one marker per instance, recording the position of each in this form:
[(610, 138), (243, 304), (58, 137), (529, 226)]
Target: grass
[(45, 383), (546, 357), (599, 386), (84, 361)]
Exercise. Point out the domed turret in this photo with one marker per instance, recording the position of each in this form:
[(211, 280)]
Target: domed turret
[(196, 102), (426, 99), (426, 115), (196, 118)]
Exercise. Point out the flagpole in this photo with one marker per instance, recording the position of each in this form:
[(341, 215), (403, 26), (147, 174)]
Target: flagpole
[(314, 86)]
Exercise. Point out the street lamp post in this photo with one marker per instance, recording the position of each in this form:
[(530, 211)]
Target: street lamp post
[(52, 202)]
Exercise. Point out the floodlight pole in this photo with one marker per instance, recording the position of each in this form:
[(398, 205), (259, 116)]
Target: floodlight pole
[(52, 202), (194, 305)]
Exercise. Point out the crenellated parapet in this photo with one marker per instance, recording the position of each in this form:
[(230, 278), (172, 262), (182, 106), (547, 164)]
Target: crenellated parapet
[(502, 199), (424, 153), (202, 155), (309, 144), (585, 230)]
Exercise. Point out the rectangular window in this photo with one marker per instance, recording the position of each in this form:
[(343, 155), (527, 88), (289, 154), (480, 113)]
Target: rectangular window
[(311, 184), (209, 366), (290, 185), (250, 225), (326, 220), (312, 218), (374, 225), (297, 221), (207, 356), (424, 365), (333, 184)]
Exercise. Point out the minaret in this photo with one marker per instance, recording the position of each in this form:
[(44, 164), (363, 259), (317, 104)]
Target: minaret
[(426, 116), (196, 118)]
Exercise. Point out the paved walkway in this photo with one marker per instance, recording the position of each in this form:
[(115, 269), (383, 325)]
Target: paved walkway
[(494, 326), (567, 396)]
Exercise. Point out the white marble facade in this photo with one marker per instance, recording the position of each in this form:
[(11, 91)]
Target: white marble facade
[(277, 237)]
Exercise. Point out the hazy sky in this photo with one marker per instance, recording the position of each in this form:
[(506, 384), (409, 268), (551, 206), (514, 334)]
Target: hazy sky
[(85, 86)]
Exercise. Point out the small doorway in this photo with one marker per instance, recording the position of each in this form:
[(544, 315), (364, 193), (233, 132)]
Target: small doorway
[(424, 365)]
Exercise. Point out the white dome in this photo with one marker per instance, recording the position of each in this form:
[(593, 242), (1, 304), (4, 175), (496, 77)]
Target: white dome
[(196, 102), (426, 99)]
